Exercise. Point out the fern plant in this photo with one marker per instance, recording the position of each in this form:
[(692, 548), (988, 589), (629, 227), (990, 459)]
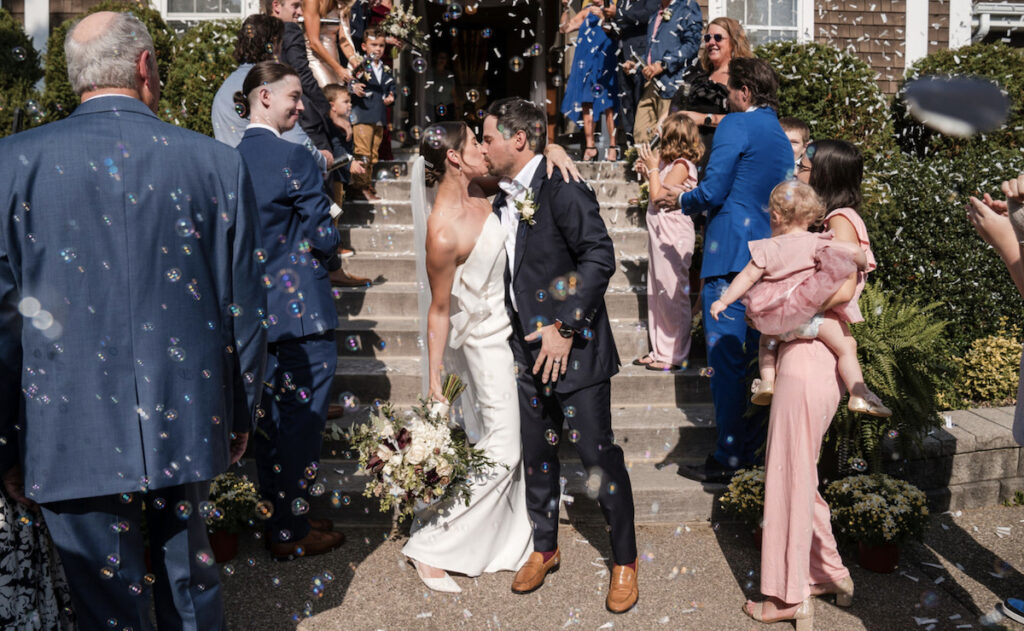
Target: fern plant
[(901, 349)]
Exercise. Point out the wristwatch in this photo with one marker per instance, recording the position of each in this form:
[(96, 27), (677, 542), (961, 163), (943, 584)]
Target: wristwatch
[(563, 330), (709, 121)]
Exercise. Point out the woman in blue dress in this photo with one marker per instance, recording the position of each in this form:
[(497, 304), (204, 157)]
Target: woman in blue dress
[(592, 84)]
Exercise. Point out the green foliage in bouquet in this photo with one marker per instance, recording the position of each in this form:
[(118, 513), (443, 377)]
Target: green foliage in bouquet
[(835, 93), (744, 497), (418, 457), (203, 59), (997, 62), (876, 509), (988, 371), (926, 248), (58, 98), (235, 498), (901, 350), (19, 71)]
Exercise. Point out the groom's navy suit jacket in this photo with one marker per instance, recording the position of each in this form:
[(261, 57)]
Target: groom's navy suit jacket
[(568, 243), (136, 237)]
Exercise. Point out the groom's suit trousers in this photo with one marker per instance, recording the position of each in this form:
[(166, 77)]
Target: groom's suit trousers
[(588, 414)]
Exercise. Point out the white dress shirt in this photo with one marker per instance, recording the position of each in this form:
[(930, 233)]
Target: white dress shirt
[(378, 70), (515, 189)]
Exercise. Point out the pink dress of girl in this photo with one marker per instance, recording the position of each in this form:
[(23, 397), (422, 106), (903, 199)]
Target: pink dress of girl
[(801, 271), (670, 252), (798, 548)]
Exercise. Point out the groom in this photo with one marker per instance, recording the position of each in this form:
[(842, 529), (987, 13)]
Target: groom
[(559, 261)]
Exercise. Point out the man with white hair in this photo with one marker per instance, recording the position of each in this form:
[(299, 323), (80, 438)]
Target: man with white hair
[(132, 317)]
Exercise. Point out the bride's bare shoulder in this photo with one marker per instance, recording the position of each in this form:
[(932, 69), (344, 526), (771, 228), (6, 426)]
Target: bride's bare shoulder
[(441, 230)]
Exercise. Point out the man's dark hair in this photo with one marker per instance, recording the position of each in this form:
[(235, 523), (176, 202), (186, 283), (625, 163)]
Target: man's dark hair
[(837, 169), (515, 115), (758, 77), (258, 39)]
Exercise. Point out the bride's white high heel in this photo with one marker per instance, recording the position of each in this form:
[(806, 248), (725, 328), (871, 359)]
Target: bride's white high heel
[(444, 584)]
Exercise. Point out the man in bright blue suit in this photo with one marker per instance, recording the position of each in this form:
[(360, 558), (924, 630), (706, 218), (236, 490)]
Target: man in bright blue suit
[(301, 248), (750, 155), (131, 316)]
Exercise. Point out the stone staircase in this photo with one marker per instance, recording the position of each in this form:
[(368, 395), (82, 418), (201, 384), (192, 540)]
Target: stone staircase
[(660, 420)]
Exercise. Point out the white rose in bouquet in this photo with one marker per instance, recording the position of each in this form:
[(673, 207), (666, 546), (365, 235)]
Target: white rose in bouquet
[(384, 453), (416, 454), (443, 468)]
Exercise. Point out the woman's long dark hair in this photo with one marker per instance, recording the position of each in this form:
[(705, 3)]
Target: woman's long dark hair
[(438, 139), (837, 169), (263, 73)]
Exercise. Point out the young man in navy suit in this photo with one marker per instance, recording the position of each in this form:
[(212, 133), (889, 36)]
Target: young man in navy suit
[(372, 92), (750, 155), (131, 318), (300, 244), (560, 260)]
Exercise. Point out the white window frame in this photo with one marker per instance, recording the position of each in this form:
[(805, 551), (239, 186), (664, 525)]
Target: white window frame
[(248, 8), (804, 18)]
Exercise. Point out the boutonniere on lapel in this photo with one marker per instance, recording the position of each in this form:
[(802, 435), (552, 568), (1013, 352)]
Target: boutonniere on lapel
[(666, 14), (527, 207)]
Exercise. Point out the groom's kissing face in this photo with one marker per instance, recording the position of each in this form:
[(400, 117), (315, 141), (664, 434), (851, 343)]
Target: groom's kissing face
[(496, 148)]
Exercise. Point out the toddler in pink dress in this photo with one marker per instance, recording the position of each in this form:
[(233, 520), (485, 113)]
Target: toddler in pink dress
[(788, 278)]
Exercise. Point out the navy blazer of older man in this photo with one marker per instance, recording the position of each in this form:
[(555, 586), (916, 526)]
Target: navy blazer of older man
[(127, 244), (675, 43)]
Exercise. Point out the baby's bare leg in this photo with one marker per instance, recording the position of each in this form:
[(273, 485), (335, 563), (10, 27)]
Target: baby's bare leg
[(766, 358), (836, 335)]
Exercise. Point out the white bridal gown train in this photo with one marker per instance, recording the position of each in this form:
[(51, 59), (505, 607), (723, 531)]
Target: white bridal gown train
[(493, 532)]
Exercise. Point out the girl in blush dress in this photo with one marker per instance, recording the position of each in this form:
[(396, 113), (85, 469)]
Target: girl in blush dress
[(787, 280)]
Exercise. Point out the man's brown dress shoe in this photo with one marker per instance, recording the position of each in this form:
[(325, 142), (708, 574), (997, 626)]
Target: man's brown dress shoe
[(531, 575), (340, 278), (323, 525), (623, 592), (316, 542), (335, 410)]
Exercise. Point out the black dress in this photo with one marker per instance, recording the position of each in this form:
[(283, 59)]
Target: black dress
[(698, 93)]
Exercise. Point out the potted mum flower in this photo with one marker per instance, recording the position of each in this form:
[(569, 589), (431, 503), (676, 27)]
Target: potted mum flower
[(229, 513), (879, 513), (743, 499)]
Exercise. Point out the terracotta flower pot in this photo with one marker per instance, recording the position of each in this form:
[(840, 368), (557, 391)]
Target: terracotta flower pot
[(881, 558), (224, 545)]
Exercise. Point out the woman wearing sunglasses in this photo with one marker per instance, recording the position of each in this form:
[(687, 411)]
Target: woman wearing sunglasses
[(705, 95)]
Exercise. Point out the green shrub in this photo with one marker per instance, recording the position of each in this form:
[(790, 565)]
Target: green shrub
[(988, 371), (926, 249), (19, 71), (835, 93), (58, 98), (876, 509), (998, 62), (901, 349), (202, 60)]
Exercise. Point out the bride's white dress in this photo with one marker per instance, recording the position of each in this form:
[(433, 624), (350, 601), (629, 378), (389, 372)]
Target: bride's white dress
[(493, 533)]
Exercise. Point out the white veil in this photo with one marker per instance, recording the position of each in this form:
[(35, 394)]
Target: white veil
[(421, 202)]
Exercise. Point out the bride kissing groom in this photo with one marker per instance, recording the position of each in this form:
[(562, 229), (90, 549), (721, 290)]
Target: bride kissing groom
[(517, 296)]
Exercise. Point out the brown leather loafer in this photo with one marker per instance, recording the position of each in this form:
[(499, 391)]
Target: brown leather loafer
[(339, 278), (323, 525), (531, 575), (335, 411), (623, 592), (316, 542)]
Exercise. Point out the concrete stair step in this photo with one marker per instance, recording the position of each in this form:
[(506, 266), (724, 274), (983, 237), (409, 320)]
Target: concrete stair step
[(398, 299), (660, 495), (383, 338), (398, 379), (645, 433), (401, 267), (616, 212), (373, 239)]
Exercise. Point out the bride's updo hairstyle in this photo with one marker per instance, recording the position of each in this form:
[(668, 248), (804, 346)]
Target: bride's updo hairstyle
[(437, 141), (263, 73)]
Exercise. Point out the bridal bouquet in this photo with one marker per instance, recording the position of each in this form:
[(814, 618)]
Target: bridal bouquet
[(402, 25), (418, 457)]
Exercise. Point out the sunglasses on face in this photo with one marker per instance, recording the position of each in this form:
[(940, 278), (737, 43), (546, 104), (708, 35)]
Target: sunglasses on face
[(718, 37)]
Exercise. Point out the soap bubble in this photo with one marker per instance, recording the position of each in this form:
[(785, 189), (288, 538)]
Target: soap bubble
[(419, 65), (300, 506), (183, 509), (473, 95), (551, 436), (19, 53), (859, 465), (515, 64), (264, 509)]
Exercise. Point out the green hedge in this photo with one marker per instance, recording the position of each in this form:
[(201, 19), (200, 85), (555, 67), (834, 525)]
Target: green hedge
[(19, 71), (59, 99), (835, 93), (926, 249), (202, 60), (998, 62)]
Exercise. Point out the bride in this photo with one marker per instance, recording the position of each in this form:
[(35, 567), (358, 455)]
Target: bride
[(465, 264)]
